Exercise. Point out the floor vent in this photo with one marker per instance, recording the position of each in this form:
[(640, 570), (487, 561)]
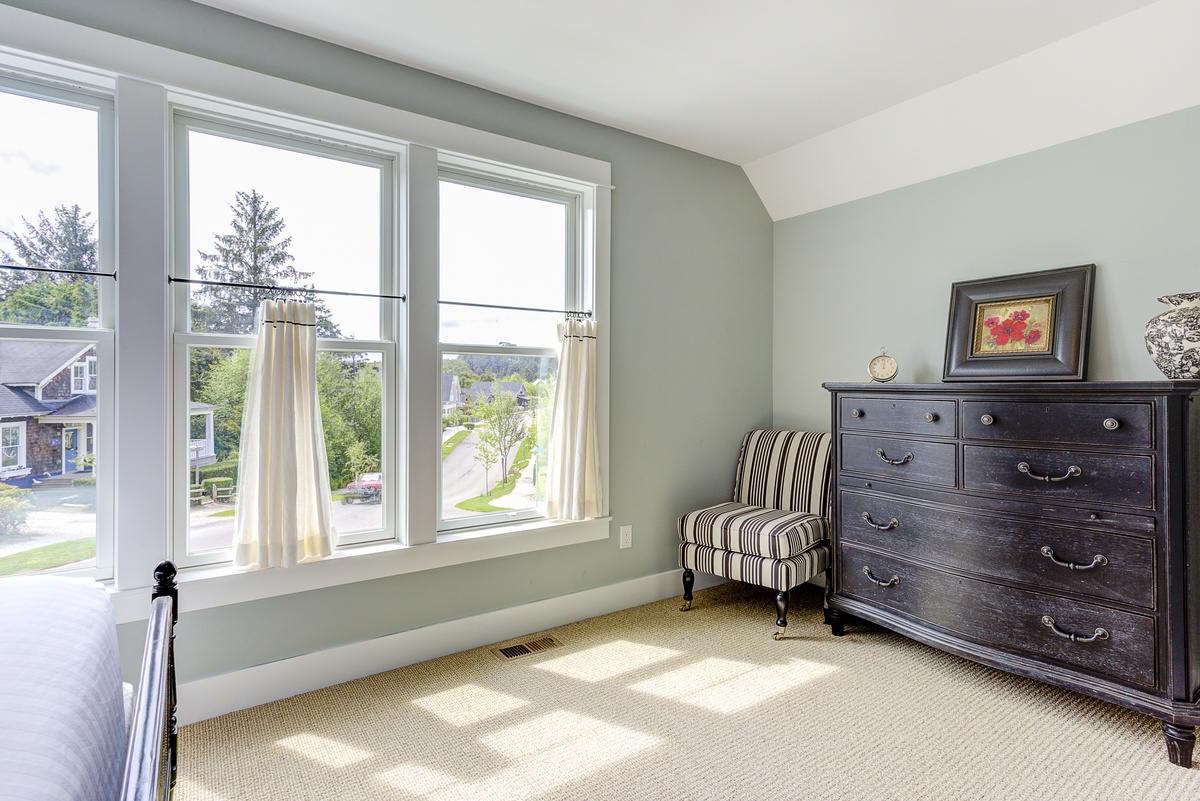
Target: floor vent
[(526, 648)]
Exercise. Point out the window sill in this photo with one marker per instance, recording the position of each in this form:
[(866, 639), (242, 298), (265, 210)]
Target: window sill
[(209, 587)]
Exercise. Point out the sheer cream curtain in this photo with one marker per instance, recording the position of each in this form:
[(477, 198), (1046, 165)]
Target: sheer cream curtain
[(573, 490), (284, 513)]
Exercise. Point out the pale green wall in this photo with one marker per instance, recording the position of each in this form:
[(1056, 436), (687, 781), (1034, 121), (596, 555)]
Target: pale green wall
[(877, 272), (691, 344)]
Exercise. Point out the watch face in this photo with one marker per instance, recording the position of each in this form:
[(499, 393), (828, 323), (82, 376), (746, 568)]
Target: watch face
[(882, 368)]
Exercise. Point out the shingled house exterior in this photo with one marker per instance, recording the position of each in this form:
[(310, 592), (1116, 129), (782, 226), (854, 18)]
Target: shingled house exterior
[(47, 407)]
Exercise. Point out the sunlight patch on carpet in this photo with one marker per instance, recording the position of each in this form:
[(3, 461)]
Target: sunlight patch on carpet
[(546, 752), (333, 753), (606, 661), (728, 686), (469, 704)]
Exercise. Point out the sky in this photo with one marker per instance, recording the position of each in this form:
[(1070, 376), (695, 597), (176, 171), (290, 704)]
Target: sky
[(495, 247)]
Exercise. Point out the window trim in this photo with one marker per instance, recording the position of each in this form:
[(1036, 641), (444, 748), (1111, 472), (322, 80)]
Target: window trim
[(21, 462)]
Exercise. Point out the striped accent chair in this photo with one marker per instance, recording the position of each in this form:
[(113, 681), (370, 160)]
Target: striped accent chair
[(775, 532)]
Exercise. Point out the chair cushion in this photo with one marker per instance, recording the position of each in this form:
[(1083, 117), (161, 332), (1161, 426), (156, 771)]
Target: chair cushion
[(788, 470), (771, 533), (778, 574)]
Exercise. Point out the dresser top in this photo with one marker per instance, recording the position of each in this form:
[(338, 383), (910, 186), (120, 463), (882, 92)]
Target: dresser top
[(1062, 388)]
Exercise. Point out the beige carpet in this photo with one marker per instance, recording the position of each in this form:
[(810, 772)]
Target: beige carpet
[(652, 703)]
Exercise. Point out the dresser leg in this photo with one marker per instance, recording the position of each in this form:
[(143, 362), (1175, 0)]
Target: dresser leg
[(1180, 740), (836, 622)]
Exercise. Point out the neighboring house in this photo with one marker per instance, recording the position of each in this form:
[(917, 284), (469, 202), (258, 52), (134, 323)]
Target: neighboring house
[(452, 396), (48, 410), (47, 406), (484, 391)]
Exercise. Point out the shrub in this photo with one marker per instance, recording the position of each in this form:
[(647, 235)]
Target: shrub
[(225, 469), (14, 508)]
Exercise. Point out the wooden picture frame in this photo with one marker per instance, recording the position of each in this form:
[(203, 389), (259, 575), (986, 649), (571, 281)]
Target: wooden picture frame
[(1026, 327)]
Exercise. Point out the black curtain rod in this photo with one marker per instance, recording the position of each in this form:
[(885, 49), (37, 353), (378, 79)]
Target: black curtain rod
[(568, 312), (173, 280), (23, 268)]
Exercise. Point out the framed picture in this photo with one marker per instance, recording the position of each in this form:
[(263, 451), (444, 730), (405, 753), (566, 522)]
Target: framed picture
[(1032, 326)]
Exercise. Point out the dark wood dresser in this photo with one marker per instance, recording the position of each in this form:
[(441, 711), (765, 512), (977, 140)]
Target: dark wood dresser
[(1047, 529)]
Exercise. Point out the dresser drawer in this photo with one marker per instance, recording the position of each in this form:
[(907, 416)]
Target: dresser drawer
[(1111, 478), (1122, 424), (1006, 617), (931, 417), (907, 459), (1007, 549)]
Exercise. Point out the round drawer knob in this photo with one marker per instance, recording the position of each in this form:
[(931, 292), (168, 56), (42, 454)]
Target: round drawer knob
[(1112, 423), (930, 417), (856, 412), (987, 419)]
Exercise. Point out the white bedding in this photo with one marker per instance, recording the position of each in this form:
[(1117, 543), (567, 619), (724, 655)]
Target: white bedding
[(62, 722)]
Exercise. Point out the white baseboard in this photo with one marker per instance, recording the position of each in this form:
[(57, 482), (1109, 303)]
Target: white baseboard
[(240, 689)]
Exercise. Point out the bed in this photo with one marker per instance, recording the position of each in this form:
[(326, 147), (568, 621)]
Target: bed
[(70, 730)]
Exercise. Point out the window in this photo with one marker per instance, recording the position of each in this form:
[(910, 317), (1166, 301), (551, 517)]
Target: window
[(83, 377), (510, 264), (268, 215), (56, 313)]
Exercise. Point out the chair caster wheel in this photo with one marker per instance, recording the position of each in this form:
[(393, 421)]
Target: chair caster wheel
[(686, 606)]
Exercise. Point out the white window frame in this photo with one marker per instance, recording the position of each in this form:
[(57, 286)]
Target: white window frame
[(579, 270), (84, 89), (311, 138), (83, 377), (19, 465)]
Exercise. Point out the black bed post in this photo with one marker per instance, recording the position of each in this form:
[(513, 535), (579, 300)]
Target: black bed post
[(165, 586)]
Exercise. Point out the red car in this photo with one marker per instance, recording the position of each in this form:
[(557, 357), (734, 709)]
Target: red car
[(368, 488)]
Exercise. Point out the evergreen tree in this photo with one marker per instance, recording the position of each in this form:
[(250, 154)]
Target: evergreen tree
[(66, 242), (256, 252)]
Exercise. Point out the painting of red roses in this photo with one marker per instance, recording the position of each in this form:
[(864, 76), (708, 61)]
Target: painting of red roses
[(1023, 327), (1014, 326)]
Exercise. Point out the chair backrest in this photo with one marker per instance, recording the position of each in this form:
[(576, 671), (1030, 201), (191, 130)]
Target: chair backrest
[(789, 470)]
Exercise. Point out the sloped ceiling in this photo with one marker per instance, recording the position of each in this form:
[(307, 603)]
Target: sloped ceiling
[(796, 91)]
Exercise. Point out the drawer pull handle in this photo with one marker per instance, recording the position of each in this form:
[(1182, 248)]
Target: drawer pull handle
[(1072, 471), (856, 413), (987, 419), (1112, 423), (1098, 560), (930, 417), (1098, 634), (892, 582), (908, 457), (894, 523)]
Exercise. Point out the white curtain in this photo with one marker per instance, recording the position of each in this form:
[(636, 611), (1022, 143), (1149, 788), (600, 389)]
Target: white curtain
[(284, 513), (573, 490)]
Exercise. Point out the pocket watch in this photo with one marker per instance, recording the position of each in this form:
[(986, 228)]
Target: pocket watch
[(882, 368)]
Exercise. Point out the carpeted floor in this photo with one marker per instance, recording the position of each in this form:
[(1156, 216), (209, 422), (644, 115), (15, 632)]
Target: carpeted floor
[(652, 703)]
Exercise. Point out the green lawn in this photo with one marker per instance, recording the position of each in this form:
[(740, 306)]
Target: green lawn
[(452, 443), (480, 503), (48, 556)]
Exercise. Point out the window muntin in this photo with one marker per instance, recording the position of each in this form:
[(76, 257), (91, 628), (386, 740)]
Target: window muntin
[(510, 264), (83, 376), (340, 199), (12, 446)]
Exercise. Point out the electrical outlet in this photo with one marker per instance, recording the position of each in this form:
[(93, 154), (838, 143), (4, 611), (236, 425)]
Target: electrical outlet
[(626, 536)]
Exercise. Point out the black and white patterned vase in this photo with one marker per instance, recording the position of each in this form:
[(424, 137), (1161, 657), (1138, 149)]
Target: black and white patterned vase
[(1173, 337)]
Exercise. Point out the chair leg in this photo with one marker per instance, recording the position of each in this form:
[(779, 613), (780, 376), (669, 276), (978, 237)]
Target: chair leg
[(689, 581), (781, 605)]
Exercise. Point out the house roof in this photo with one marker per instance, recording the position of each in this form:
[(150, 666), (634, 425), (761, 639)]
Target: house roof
[(449, 384), (486, 389), (78, 406), (18, 403), (26, 361)]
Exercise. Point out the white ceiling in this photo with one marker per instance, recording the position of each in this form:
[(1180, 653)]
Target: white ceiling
[(738, 80)]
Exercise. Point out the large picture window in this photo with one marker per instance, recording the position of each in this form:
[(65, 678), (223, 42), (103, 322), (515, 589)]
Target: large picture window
[(268, 216), (56, 318), (509, 267)]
